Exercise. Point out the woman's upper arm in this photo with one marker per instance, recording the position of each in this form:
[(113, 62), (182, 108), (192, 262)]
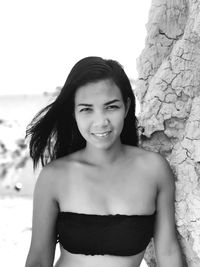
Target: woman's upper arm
[(45, 210), (165, 229)]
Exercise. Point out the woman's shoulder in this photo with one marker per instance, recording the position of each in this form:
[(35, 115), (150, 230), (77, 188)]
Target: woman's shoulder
[(141, 153), (157, 160), (52, 171), (157, 164), (54, 176), (150, 160), (64, 163)]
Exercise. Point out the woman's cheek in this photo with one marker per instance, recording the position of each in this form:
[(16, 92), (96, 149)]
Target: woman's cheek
[(82, 122)]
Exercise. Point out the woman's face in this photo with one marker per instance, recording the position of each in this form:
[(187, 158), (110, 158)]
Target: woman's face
[(100, 112)]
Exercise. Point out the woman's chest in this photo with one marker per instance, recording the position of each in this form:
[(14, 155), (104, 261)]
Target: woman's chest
[(112, 190)]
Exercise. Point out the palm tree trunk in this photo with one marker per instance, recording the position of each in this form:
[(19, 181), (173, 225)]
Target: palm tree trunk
[(168, 89)]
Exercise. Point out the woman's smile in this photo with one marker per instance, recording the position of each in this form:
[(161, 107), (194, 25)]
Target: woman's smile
[(102, 135)]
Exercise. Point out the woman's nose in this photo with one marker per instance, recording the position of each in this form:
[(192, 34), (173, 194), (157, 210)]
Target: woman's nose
[(101, 120)]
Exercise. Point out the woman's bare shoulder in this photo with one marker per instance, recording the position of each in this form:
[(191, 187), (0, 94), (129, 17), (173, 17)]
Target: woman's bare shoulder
[(151, 155), (60, 164), (141, 153), (52, 172), (158, 161), (160, 167), (150, 160), (53, 177)]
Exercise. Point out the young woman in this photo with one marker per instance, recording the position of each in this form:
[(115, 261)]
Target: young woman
[(99, 195)]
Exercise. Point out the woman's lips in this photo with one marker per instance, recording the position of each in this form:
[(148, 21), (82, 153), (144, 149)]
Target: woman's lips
[(103, 134)]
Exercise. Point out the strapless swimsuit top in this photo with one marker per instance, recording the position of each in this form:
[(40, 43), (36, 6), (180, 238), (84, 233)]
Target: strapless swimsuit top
[(92, 234)]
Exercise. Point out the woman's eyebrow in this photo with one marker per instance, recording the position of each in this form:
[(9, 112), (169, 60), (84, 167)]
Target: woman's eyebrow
[(111, 102), (85, 105), (106, 104)]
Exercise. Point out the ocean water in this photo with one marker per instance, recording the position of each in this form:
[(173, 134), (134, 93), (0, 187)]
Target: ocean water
[(22, 108), (16, 112)]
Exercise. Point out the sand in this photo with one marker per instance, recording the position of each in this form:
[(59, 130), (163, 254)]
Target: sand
[(15, 230)]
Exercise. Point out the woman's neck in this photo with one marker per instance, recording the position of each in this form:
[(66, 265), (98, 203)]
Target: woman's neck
[(103, 157)]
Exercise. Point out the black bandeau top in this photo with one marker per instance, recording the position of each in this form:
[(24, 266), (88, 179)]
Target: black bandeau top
[(93, 234)]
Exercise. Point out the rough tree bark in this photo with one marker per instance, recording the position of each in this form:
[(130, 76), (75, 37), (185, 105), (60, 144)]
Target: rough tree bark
[(168, 89)]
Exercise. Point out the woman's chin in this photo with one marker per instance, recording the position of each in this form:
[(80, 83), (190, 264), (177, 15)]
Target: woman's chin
[(102, 144)]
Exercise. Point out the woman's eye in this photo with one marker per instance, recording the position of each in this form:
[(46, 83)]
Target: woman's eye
[(112, 107), (85, 110)]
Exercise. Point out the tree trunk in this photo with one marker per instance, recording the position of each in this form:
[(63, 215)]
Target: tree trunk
[(168, 89)]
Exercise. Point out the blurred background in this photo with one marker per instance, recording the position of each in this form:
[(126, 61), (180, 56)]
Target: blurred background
[(40, 43)]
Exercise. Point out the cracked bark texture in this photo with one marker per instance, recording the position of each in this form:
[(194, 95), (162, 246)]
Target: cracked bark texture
[(168, 89)]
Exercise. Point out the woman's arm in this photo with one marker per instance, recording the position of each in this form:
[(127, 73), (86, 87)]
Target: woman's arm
[(168, 252), (45, 209)]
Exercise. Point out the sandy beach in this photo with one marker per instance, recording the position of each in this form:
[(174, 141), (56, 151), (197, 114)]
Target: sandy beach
[(15, 230)]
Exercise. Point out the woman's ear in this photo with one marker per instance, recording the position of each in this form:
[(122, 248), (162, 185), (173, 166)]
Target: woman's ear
[(127, 106)]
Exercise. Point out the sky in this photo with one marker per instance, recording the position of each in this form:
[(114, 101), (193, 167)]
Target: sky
[(41, 40)]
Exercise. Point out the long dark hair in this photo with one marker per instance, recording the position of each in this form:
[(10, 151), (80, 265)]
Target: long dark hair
[(53, 131)]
